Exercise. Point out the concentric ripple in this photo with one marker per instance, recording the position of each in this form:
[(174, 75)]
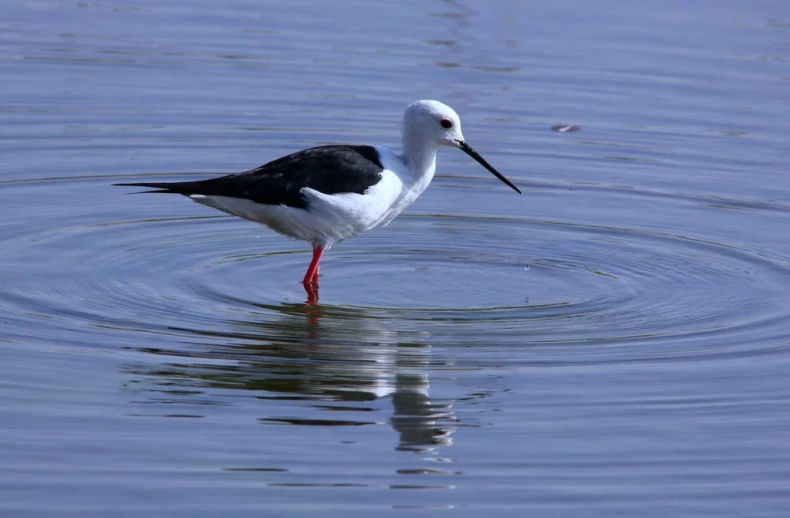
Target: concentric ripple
[(615, 292)]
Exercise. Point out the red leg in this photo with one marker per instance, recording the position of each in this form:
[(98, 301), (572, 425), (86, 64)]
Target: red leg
[(312, 272), (312, 293), (310, 280)]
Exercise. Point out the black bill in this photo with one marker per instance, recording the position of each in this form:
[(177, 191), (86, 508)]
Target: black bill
[(480, 160)]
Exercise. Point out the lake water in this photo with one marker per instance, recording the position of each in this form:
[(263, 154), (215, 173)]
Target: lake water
[(616, 342)]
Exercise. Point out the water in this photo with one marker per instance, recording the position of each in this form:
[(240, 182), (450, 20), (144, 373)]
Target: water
[(614, 342)]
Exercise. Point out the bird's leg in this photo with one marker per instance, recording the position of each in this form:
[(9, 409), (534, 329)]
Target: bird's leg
[(311, 277), (310, 280), (312, 293)]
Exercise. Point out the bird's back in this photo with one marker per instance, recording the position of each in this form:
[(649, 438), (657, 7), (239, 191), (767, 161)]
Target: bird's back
[(333, 169)]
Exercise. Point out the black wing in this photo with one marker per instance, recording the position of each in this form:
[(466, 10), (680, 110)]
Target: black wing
[(327, 169)]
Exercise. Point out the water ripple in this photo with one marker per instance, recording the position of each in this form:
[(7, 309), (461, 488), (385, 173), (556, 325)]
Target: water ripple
[(633, 294)]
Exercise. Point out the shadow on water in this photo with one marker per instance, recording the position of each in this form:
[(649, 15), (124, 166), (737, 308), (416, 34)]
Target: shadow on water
[(340, 358)]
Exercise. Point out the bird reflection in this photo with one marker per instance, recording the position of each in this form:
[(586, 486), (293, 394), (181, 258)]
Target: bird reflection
[(416, 416), (335, 358)]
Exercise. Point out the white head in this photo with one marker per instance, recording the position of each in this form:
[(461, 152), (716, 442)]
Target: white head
[(430, 124)]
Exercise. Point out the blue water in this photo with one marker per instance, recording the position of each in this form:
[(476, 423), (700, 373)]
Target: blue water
[(616, 342)]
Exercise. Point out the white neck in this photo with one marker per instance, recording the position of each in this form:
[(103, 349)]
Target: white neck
[(420, 156)]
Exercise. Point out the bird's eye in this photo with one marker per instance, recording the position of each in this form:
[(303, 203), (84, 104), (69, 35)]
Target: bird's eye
[(446, 123)]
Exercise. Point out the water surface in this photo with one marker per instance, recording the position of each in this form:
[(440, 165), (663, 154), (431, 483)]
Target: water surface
[(614, 342)]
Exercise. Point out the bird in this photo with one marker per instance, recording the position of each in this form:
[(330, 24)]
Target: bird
[(326, 194)]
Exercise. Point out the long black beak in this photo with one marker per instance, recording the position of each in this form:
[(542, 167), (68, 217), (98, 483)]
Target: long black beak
[(480, 160)]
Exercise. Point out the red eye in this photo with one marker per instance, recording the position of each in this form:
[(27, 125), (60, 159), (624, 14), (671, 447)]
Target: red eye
[(446, 123)]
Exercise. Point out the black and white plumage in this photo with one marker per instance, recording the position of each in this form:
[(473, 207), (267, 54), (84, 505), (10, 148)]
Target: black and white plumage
[(280, 182), (326, 194)]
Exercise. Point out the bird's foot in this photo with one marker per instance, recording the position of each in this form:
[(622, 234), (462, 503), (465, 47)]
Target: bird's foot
[(311, 288)]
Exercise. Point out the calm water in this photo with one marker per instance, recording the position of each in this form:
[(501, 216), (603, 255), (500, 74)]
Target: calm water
[(616, 342)]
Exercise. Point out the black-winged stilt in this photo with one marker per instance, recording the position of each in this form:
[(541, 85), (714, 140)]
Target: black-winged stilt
[(327, 194)]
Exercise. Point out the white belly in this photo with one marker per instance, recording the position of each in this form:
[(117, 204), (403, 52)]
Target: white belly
[(329, 219)]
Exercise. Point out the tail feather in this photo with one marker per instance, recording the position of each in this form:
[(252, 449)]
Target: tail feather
[(160, 187)]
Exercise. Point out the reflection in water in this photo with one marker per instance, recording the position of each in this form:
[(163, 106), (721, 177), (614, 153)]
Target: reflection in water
[(416, 417), (337, 357)]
